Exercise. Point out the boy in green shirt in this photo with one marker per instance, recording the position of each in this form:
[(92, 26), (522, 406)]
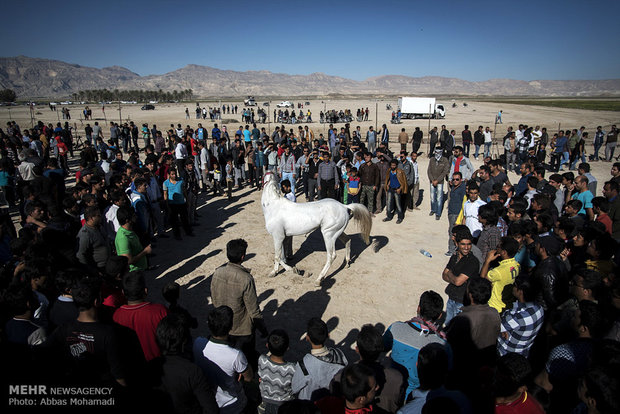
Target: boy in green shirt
[(127, 243)]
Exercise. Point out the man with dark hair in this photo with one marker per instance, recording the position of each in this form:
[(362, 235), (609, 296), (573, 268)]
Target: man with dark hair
[(327, 178), (405, 339), (93, 250), (600, 391), (568, 362), (610, 192), (455, 204), (90, 348), (359, 387), (504, 274), (512, 374), (315, 371), (433, 365), (370, 180), (232, 285), (181, 379), (526, 172), (127, 242), (461, 267), (550, 273), (223, 364), (395, 186), (139, 315), (521, 323), (391, 384), (477, 324)]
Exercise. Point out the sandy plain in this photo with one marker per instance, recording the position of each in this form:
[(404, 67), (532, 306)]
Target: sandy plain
[(385, 280)]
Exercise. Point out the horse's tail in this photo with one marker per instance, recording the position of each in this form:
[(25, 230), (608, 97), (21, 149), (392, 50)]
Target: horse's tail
[(363, 218)]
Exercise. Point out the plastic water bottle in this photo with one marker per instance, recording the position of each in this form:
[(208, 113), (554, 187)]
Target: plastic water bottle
[(425, 253)]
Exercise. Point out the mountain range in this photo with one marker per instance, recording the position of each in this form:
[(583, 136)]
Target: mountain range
[(45, 78)]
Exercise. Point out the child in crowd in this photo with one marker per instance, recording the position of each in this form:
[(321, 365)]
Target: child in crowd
[(217, 179), (275, 374), (230, 178), (353, 187)]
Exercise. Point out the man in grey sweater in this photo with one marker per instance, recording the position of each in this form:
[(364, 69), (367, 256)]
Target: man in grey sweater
[(93, 250), (315, 371)]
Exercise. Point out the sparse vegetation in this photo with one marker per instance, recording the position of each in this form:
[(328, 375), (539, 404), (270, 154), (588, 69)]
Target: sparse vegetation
[(7, 95), (590, 104), (103, 95)]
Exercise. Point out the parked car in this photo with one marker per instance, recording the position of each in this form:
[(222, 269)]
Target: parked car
[(265, 103), (284, 104), (148, 107), (307, 103)]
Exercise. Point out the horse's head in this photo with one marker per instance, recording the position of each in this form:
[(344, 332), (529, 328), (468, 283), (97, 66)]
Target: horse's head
[(271, 189)]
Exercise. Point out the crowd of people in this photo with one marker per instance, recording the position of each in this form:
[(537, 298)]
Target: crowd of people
[(530, 325)]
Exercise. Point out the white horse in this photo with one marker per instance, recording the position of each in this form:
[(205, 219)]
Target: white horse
[(286, 218)]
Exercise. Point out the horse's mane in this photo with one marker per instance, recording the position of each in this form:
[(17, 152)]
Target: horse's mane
[(272, 188)]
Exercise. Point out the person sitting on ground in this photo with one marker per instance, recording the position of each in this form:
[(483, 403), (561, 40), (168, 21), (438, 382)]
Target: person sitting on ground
[(315, 370)]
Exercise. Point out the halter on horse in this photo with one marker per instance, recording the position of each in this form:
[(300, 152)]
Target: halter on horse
[(286, 218)]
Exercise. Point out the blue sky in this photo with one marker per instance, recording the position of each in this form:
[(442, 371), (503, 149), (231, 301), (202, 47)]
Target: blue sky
[(473, 40)]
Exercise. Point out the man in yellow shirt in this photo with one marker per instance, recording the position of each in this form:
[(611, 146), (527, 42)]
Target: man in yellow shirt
[(505, 273)]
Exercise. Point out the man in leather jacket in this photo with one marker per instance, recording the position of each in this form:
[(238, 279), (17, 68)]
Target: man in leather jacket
[(550, 274)]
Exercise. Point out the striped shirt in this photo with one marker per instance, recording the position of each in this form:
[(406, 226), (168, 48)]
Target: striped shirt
[(275, 380)]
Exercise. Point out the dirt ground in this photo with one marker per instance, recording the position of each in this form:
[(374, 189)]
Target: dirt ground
[(384, 281)]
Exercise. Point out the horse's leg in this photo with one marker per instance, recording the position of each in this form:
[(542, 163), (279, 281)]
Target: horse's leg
[(330, 247), (347, 247), (279, 260)]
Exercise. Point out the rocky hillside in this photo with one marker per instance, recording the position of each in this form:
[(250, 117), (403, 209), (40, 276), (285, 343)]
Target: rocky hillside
[(44, 78)]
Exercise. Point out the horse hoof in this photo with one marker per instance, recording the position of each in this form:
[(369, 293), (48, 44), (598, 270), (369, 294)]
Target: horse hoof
[(348, 264), (272, 274), (296, 271), (317, 283)]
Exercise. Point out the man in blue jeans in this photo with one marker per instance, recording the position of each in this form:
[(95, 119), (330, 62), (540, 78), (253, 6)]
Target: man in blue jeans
[(462, 266), (438, 168)]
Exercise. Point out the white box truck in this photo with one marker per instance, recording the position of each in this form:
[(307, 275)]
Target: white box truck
[(413, 108)]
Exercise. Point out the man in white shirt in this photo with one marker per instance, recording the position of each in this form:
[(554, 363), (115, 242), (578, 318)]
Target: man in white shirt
[(488, 140), (222, 363), (205, 165), (180, 154), (470, 211)]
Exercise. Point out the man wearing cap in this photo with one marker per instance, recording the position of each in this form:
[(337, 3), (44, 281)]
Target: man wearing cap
[(327, 179), (438, 168)]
